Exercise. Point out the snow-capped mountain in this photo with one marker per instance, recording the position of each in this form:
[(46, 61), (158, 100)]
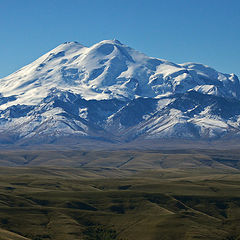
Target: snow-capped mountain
[(112, 92)]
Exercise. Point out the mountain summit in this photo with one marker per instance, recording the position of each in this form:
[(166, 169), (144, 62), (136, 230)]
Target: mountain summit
[(112, 92)]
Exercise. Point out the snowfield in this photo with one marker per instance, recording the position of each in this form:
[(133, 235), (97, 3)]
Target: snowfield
[(113, 91)]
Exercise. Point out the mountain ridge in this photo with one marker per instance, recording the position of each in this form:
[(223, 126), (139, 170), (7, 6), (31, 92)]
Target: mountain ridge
[(114, 93)]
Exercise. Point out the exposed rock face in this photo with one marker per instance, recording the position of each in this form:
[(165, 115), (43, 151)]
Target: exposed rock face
[(115, 93)]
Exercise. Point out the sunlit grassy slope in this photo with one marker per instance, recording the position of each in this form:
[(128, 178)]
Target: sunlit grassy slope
[(6, 235), (109, 203)]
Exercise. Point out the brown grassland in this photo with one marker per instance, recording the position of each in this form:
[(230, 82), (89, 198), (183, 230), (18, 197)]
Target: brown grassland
[(118, 195)]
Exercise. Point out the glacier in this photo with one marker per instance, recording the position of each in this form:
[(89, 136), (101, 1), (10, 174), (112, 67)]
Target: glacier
[(114, 93)]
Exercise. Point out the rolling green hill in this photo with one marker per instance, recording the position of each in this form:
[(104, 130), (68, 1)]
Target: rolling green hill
[(108, 203)]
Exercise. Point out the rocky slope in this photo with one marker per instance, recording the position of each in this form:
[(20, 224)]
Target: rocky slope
[(112, 92)]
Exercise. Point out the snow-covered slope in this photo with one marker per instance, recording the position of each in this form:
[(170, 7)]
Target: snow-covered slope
[(113, 92), (110, 70)]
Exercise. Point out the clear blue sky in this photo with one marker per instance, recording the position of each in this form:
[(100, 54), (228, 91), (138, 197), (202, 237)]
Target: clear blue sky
[(204, 31)]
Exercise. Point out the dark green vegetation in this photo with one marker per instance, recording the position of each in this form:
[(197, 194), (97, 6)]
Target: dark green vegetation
[(43, 203)]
